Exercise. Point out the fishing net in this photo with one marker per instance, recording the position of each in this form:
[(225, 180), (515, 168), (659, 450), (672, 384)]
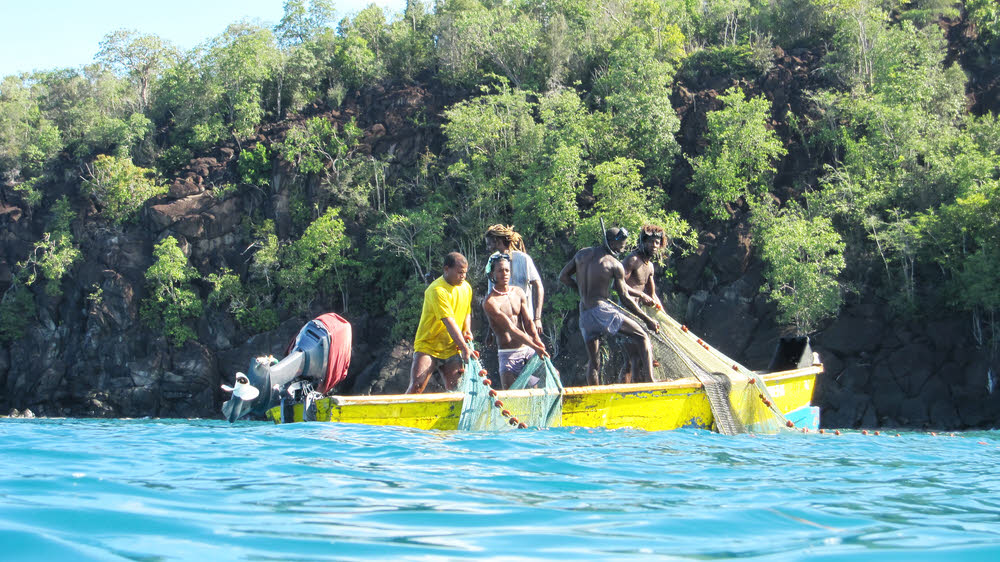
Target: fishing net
[(739, 399), (534, 399)]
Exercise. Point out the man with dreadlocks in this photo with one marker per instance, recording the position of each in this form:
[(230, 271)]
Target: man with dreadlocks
[(504, 240), (596, 268), (506, 308), (639, 267)]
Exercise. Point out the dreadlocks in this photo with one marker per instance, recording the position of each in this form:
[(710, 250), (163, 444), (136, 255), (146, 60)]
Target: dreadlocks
[(508, 234), (653, 231)]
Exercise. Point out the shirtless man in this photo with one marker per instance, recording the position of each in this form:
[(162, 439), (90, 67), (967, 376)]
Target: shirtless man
[(639, 279), (523, 274), (596, 268), (506, 308), (639, 267)]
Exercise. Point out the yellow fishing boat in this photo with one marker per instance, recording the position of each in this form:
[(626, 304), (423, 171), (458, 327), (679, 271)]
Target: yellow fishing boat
[(650, 406), (698, 387)]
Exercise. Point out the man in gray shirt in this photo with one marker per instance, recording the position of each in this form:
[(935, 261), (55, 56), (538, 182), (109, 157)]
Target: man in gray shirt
[(503, 239)]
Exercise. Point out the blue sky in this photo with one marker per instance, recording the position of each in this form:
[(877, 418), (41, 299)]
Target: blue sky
[(49, 34)]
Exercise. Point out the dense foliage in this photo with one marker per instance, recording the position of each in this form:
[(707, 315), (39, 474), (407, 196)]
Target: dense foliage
[(560, 115)]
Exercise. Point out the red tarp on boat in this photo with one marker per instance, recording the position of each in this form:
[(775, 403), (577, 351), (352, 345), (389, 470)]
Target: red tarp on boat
[(340, 350)]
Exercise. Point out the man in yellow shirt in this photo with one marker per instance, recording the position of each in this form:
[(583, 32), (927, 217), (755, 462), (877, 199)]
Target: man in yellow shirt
[(445, 326)]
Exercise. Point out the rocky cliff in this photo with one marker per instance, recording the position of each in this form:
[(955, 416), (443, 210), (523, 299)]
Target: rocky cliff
[(90, 356)]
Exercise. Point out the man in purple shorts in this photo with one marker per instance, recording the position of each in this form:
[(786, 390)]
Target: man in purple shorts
[(507, 310), (595, 269)]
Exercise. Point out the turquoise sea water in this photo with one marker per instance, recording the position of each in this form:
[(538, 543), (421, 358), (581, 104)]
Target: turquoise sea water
[(205, 490)]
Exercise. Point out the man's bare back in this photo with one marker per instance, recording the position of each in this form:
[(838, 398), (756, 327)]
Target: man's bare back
[(595, 270)]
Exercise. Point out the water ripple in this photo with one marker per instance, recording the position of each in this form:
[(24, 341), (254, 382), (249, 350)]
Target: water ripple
[(195, 490)]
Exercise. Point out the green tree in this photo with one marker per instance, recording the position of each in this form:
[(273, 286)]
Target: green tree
[(28, 140), (738, 162), (622, 200), (237, 65), (303, 20), (172, 301), (141, 57), (636, 91), (119, 187), (803, 257), (416, 236), (312, 263)]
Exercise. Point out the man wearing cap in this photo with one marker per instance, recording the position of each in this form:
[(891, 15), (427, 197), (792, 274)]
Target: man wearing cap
[(595, 269), (523, 274), (445, 326), (639, 266), (506, 308)]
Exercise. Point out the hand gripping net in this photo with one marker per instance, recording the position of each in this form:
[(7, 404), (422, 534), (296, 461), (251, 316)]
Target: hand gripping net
[(485, 409)]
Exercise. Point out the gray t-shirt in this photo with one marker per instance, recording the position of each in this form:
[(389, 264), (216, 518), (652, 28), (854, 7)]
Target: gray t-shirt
[(522, 273)]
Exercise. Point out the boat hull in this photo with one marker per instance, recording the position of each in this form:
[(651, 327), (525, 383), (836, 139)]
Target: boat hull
[(649, 406)]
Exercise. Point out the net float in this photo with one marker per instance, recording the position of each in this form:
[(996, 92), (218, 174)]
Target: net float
[(483, 373), (487, 382), (498, 404)]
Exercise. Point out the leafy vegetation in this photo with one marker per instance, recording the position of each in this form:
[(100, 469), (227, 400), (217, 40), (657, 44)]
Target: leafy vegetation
[(172, 301), (119, 187), (558, 113)]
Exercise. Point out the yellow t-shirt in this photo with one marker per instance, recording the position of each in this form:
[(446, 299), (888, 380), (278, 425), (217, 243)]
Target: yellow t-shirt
[(442, 300)]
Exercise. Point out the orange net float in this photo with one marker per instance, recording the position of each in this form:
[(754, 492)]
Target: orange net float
[(487, 382), (836, 432), (493, 393), (475, 354), (483, 373), (752, 381), (700, 342), (684, 328), (522, 425), (736, 367), (498, 404), (789, 423), (513, 421), (505, 413), (656, 363)]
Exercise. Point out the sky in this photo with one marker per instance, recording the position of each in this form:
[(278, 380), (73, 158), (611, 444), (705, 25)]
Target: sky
[(50, 34)]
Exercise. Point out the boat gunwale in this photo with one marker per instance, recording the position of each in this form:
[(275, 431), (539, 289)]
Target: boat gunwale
[(686, 383)]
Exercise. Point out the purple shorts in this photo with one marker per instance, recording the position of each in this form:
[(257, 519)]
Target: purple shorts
[(514, 360), (602, 320)]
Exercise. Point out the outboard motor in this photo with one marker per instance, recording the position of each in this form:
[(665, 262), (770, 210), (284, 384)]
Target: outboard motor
[(318, 357)]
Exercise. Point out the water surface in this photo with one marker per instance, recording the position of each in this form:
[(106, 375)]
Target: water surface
[(201, 490)]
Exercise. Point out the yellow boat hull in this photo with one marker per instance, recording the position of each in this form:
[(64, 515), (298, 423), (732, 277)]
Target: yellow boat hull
[(649, 406)]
